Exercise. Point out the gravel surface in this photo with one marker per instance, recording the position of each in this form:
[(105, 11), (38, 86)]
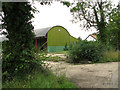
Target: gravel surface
[(58, 55), (100, 75)]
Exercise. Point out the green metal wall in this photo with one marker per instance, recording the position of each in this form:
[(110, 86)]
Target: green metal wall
[(73, 40), (55, 48), (57, 37)]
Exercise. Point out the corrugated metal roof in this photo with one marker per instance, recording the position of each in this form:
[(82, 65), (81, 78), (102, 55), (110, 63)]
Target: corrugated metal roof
[(41, 32), (38, 33)]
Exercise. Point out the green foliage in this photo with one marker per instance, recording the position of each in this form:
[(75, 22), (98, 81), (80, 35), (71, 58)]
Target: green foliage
[(44, 79), (71, 45), (113, 29), (110, 56), (66, 47), (54, 58), (93, 14), (18, 53), (62, 52), (42, 46), (86, 51), (66, 3), (79, 38)]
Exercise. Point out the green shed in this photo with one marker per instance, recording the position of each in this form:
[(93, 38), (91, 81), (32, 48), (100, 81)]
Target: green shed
[(53, 38)]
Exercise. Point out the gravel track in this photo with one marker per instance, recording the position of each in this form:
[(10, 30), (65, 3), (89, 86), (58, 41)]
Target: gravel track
[(100, 75)]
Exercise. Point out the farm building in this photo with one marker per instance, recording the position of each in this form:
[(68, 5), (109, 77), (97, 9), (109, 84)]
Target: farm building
[(91, 37), (54, 39)]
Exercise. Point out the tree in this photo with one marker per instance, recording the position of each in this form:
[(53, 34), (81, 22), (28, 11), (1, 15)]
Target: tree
[(18, 55), (113, 28), (93, 14)]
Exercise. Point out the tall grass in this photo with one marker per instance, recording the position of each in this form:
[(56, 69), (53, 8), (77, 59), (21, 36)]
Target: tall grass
[(40, 80), (110, 56)]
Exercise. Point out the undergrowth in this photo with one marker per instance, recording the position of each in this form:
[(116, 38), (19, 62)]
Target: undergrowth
[(110, 56), (44, 79)]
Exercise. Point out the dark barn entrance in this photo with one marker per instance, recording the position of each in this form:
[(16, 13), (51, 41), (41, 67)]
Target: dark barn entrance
[(41, 43)]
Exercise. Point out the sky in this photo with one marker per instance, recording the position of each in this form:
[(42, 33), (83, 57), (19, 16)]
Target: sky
[(57, 14)]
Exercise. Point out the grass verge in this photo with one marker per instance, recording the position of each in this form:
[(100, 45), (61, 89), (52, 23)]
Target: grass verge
[(44, 79)]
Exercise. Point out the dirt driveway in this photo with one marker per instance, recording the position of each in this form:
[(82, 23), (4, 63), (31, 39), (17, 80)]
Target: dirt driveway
[(102, 75)]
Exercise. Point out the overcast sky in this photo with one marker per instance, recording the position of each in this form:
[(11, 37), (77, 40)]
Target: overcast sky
[(57, 14)]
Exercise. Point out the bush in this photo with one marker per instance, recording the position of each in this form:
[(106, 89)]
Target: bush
[(66, 47), (28, 61), (86, 51)]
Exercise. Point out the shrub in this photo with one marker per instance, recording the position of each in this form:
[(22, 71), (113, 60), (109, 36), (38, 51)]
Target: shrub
[(66, 47), (29, 61), (86, 51), (70, 46)]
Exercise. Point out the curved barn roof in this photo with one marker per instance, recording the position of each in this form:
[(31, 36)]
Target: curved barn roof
[(42, 32)]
